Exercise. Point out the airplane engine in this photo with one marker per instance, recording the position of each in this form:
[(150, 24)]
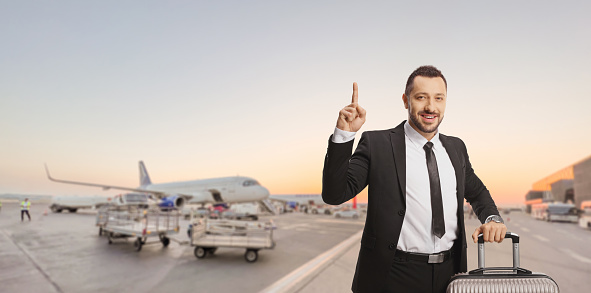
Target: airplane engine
[(173, 201)]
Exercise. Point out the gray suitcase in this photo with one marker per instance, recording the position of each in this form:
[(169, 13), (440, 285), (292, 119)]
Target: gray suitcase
[(501, 279)]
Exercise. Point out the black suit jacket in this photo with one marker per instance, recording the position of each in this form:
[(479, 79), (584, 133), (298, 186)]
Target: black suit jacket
[(380, 162)]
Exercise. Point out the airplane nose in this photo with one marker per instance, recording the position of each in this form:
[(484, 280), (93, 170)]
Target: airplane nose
[(264, 192)]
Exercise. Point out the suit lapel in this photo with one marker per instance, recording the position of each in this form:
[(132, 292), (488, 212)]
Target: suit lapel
[(457, 164), (399, 150)]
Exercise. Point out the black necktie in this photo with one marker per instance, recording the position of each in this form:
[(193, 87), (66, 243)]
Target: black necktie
[(437, 221)]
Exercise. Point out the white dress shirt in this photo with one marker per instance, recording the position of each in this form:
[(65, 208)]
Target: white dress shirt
[(416, 234)]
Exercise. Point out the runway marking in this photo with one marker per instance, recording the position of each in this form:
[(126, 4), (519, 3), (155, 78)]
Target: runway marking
[(34, 262), (571, 235), (302, 230), (343, 221), (293, 226), (575, 255), (294, 280), (542, 238), (324, 229)]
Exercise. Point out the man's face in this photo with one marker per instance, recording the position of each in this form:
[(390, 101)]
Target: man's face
[(426, 104)]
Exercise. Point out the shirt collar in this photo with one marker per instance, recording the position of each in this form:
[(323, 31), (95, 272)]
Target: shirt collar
[(417, 139)]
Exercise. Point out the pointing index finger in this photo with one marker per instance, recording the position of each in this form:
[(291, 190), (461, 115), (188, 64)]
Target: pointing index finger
[(355, 98)]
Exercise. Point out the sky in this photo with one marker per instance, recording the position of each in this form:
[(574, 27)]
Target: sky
[(203, 89)]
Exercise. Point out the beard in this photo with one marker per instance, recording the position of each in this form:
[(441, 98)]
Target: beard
[(424, 128)]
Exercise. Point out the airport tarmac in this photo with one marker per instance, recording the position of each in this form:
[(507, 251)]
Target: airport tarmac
[(314, 253), (560, 250), (63, 253)]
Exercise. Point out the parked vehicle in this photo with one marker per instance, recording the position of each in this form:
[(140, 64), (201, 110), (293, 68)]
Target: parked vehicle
[(207, 235), (564, 212), (353, 214), (325, 209), (585, 219), (242, 211), (139, 222)]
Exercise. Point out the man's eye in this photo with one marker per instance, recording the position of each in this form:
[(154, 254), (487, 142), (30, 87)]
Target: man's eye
[(420, 97)]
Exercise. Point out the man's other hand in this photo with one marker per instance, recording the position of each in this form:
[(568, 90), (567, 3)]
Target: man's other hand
[(352, 117), (491, 232)]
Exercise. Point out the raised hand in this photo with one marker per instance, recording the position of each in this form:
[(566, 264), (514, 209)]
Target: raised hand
[(352, 117)]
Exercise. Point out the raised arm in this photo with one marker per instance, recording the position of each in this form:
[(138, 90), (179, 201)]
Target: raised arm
[(344, 176)]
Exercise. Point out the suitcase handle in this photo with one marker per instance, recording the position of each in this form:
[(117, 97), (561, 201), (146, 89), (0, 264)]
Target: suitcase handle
[(514, 238), (481, 271)]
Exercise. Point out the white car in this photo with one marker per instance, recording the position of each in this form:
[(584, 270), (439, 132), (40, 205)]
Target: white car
[(321, 210), (354, 214)]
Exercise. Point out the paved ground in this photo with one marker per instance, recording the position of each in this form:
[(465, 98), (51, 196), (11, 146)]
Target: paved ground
[(63, 253), (560, 250), (314, 253)]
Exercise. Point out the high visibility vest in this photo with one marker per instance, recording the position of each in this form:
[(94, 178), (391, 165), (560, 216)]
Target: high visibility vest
[(25, 205)]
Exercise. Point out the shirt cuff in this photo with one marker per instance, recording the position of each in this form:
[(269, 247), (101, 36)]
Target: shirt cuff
[(342, 136)]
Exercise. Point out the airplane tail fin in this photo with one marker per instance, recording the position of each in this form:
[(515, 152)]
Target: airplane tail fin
[(144, 177)]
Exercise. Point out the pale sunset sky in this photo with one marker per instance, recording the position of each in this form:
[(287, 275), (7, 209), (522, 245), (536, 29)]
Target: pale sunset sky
[(202, 89)]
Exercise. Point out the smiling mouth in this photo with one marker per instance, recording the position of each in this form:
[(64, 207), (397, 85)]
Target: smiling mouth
[(428, 117)]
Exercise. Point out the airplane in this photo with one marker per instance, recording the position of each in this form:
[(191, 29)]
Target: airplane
[(174, 194)]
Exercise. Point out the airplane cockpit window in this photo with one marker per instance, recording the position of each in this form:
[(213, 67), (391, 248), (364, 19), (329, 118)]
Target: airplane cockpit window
[(249, 183)]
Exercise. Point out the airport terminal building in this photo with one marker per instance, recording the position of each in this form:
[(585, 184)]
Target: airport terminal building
[(571, 184)]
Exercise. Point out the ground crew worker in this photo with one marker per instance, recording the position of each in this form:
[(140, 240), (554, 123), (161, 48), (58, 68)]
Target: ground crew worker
[(25, 206)]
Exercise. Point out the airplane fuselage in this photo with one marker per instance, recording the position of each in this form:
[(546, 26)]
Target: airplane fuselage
[(215, 190)]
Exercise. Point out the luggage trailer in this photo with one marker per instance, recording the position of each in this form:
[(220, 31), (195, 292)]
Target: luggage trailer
[(209, 234), (137, 221)]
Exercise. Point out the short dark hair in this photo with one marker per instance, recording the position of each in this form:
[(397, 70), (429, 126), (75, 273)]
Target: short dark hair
[(426, 71)]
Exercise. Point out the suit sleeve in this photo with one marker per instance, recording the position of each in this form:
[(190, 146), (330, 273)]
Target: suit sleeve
[(344, 176), (476, 193)]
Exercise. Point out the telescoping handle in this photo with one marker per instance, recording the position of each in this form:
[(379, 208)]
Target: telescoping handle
[(514, 237)]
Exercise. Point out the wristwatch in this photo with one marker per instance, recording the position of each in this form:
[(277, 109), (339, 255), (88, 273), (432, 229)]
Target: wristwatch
[(494, 218)]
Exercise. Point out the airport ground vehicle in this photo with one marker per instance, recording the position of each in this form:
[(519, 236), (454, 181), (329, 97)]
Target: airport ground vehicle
[(209, 234), (563, 212), (324, 209), (240, 211), (142, 223), (232, 215), (189, 211), (585, 219), (347, 214)]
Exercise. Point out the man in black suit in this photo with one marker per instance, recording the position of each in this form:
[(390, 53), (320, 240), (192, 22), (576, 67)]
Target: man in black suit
[(414, 238)]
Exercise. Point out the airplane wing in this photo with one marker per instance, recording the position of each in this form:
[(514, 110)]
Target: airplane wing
[(159, 194)]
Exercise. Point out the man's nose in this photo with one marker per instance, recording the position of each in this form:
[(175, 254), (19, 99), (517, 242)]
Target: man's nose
[(430, 106)]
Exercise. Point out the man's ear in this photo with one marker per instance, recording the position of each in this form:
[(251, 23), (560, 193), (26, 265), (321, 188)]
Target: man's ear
[(405, 100)]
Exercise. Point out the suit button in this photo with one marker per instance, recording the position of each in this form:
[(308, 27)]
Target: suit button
[(391, 246), (401, 212)]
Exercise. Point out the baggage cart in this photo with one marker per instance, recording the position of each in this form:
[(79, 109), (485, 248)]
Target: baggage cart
[(137, 221), (209, 234), (501, 279)]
